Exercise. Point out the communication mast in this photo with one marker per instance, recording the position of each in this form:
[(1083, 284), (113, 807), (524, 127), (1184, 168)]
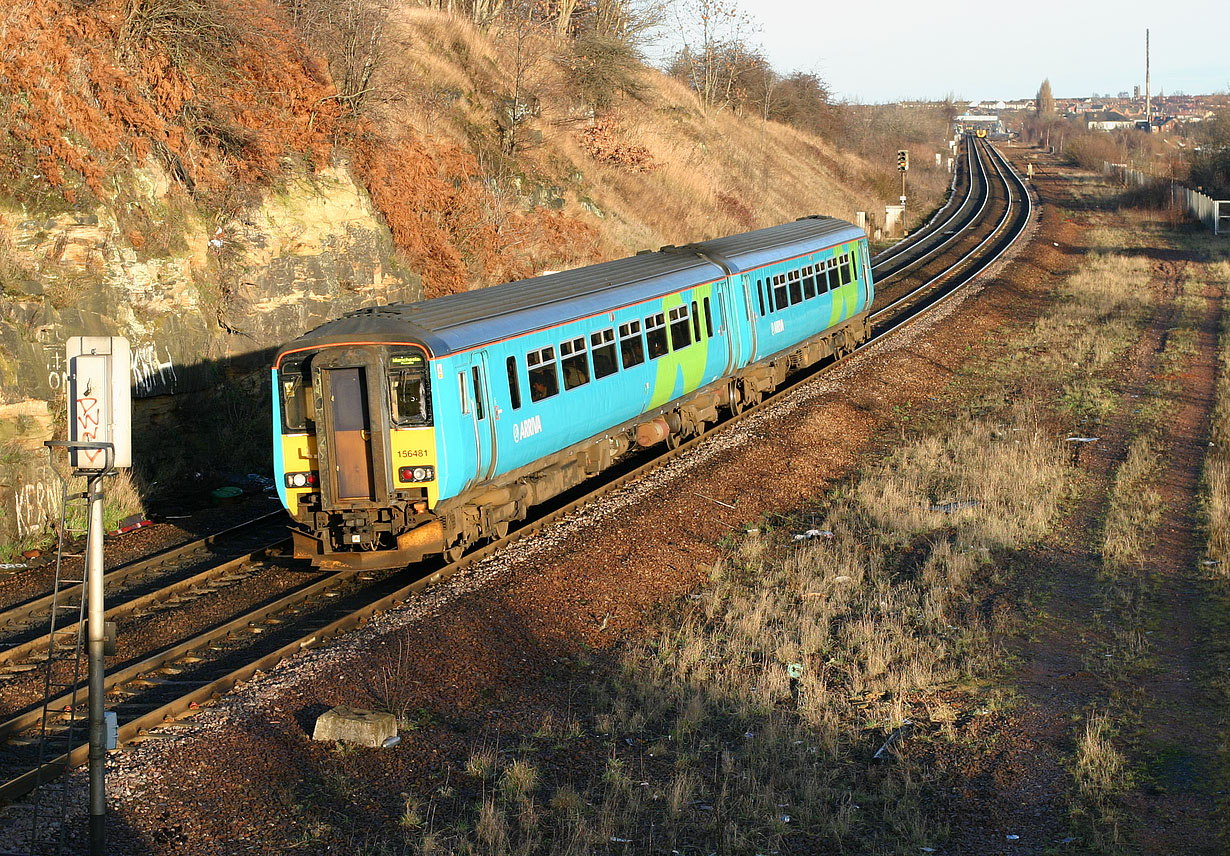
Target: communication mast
[(1148, 101)]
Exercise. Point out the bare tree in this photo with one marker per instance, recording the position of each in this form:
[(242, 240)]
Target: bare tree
[(714, 51), (350, 35), (527, 30)]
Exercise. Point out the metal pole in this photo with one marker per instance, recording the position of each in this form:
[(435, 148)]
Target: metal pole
[(97, 641)]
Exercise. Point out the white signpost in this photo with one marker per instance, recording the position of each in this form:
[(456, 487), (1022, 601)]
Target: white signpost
[(99, 441)]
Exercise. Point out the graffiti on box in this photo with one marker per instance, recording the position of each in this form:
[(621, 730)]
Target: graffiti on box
[(89, 429)]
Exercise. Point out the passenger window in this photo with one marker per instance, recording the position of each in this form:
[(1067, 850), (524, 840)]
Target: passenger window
[(780, 296), (809, 282), (708, 320), (844, 263), (830, 274), (631, 345), (680, 337), (544, 380), (602, 348), (796, 287), (514, 385), (575, 364), (478, 393), (465, 395), (760, 293), (655, 335), (695, 322)]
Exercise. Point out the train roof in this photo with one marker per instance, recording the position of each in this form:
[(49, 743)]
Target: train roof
[(751, 250), (458, 322)]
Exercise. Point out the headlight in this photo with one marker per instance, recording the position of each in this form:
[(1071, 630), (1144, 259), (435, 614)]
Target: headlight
[(416, 474), (302, 479)]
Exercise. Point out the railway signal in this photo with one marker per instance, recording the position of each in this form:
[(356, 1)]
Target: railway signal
[(99, 442), (903, 164)]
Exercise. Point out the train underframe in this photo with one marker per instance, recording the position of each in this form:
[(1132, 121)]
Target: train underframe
[(404, 533)]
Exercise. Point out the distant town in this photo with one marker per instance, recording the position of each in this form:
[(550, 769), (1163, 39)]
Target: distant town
[(1107, 113)]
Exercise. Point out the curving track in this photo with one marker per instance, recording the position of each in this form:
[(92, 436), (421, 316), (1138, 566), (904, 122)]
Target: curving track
[(228, 643)]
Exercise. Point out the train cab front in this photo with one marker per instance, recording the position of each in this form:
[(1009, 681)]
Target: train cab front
[(355, 453)]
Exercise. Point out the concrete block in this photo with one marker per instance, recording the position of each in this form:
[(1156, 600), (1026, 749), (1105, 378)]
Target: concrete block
[(351, 725)]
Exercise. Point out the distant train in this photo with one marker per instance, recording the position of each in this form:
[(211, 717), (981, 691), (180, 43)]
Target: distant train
[(408, 430)]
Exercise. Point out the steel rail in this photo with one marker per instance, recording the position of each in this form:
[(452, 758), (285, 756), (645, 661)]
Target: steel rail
[(959, 232), (183, 705), (32, 647), (21, 613), (169, 655), (931, 226), (983, 265)]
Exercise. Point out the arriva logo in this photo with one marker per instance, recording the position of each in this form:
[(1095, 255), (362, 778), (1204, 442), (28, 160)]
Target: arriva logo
[(526, 428)]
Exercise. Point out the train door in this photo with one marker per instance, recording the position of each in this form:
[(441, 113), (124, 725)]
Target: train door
[(482, 416), (865, 276), (727, 331), (348, 433), (748, 340)]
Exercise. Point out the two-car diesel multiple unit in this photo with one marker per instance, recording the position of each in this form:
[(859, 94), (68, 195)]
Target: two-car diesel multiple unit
[(411, 429)]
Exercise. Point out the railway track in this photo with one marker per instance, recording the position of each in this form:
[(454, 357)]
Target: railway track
[(149, 688)]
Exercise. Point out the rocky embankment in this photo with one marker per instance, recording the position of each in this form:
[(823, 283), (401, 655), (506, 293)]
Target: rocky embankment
[(208, 307)]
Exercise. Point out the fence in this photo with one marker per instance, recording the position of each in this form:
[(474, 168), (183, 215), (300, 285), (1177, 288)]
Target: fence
[(1213, 213)]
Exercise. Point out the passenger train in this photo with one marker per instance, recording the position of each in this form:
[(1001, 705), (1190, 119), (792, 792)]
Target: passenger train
[(407, 430)]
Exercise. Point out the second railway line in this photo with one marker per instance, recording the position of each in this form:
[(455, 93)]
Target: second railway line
[(1009, 193)]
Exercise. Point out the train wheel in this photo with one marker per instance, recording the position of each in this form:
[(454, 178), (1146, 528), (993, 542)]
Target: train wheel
[(455, 552)]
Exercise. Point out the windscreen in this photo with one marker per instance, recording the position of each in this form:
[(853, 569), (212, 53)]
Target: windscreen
[(409, 395)]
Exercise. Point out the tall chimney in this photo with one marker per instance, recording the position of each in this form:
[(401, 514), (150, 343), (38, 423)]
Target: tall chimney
[(1148, 101)]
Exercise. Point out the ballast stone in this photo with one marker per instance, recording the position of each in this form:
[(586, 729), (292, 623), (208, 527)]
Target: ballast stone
[(352, 725)]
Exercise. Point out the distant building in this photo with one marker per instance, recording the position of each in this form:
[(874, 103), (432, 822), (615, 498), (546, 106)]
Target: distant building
[(1108, 120)]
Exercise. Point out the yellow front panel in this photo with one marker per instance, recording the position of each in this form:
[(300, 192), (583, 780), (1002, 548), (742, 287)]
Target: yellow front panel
[(415, 447), (299, 456)]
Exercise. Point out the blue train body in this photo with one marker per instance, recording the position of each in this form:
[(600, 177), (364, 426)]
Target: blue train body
[(409, 429)]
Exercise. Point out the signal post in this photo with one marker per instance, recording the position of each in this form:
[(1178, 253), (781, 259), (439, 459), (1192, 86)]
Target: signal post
[(903, 166), (99, 441)]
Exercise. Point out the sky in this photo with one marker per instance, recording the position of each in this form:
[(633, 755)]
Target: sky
[(891, 49)]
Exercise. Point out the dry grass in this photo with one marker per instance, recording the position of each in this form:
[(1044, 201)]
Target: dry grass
[(121, 498), (1104, 305), (1217, 464), (1135, 504), (748, 724), (1102, 774), (713, 174)]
